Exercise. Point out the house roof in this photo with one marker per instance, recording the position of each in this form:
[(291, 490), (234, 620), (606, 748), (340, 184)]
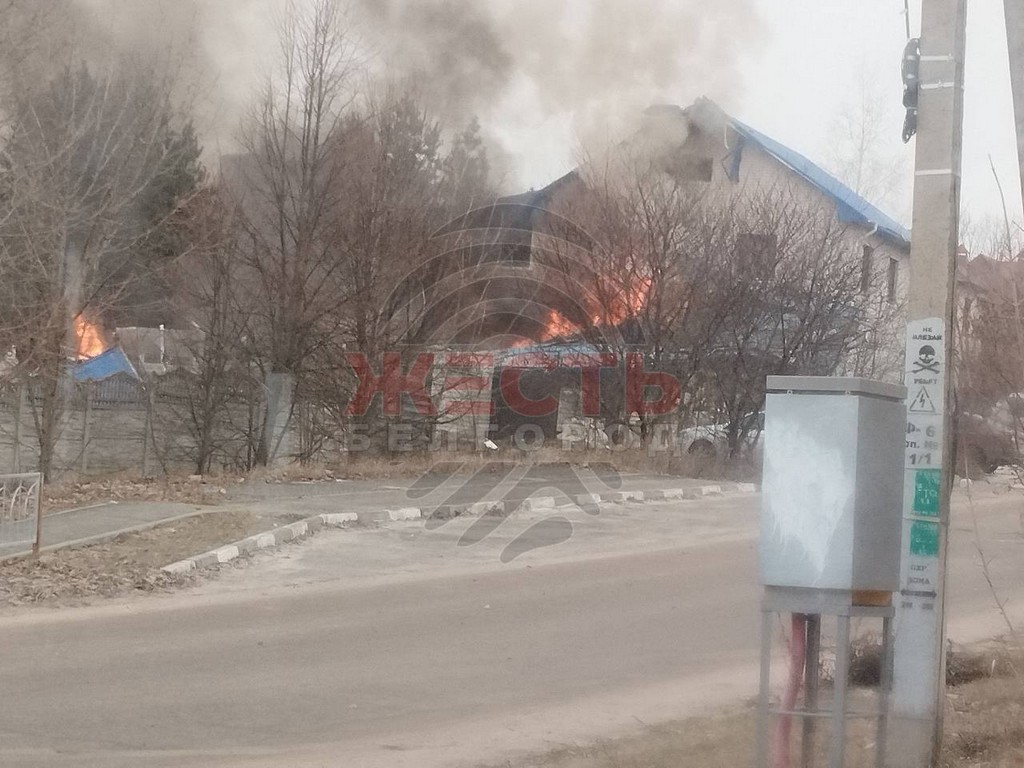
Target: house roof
[(103, 366), (988, 277), (850, 207)]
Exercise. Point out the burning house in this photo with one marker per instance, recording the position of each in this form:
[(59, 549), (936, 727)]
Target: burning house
[(538, 280)]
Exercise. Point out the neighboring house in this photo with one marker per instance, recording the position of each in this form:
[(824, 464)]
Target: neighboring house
[(157, 351), (990, 328), (702, 144), (988, 373)]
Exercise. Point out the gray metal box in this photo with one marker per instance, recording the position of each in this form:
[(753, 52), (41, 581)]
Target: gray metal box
[(833, 483)]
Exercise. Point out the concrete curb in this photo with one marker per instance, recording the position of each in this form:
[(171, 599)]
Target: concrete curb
[(313, 524), (251, 544)]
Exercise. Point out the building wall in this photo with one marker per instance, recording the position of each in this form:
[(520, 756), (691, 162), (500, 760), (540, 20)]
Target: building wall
[(882, 355)]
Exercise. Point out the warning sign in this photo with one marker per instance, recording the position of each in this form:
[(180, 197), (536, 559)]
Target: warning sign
[(925, 366), (922, 402)]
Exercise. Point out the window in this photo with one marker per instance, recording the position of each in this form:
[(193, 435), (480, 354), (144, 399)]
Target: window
[(756, 255), (688, 167), (512, 247), (867, 265), (890, 289)]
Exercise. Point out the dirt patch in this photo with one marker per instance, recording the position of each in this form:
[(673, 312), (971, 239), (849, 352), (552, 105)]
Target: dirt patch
[(128, 564), (724, 741), (983, 728)]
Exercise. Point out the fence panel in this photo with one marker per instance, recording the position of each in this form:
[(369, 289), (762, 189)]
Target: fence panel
[(19, 508)]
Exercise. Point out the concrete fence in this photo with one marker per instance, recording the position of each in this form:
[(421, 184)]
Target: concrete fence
[(122, 427)]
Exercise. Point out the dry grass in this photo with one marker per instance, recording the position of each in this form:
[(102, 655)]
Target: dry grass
[(633, 460), (74, 494), (984, 724), (210, 490), (128, 564)]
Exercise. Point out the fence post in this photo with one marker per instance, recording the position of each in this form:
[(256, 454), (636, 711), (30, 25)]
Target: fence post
[(84, 466), (37, 543), (19, 414), (147, 432)]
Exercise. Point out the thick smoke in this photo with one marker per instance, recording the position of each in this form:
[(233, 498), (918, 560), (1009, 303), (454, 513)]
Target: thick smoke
[(601, 61), (513, 63)]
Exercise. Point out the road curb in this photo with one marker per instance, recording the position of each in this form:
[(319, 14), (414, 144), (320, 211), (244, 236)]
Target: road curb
[(311, 525), (265, 540)]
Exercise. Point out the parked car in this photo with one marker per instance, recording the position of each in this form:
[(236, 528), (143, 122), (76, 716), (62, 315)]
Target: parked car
[(711, 439), (986, 442)]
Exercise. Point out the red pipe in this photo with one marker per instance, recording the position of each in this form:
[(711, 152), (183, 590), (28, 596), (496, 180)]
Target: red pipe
[(797, 659)]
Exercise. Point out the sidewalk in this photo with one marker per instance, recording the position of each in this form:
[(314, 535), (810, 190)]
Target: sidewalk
[(104, 520), (288, 502)]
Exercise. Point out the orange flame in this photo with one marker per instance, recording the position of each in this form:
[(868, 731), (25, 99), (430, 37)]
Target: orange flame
[(89, 339), (610, 306)]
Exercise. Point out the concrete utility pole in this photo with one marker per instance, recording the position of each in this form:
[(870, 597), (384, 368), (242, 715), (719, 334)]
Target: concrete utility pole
[(919, 653), (1014, 13)]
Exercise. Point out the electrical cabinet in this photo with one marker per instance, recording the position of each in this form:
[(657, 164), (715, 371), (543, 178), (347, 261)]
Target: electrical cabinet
[(833, 483)]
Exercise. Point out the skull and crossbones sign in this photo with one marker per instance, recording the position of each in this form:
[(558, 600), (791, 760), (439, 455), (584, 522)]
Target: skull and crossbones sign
[(926, 360)]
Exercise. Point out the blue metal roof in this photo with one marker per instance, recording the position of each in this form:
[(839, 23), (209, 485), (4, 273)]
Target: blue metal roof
[(103, 366), (850, 207)]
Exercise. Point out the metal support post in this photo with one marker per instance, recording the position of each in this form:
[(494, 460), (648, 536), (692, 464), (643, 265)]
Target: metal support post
[(837, 753), (884, 691), (763, 714), (811, 679)]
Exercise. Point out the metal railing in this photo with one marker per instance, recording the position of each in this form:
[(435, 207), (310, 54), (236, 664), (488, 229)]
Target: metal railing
[(20, 509)]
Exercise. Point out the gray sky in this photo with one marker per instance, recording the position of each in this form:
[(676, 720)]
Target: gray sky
[(820, 50)]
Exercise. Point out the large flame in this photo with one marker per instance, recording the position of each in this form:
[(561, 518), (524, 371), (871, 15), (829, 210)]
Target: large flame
[(89, 337), (609, 306)]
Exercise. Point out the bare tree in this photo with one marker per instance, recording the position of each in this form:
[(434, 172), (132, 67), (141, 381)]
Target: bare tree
[(218, 397), (343, 184), (288, 179), (649, 278), (802, 305), (719, 287), (84, 150), (856, 137), (407, 176)]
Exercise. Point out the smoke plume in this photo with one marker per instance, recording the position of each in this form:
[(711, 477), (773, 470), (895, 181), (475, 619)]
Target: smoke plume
[(512, 63)]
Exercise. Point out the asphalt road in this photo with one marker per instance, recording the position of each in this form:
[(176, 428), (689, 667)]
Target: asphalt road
[(461, 660)]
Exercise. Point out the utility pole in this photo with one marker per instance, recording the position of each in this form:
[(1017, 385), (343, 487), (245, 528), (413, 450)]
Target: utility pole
[(919, 652), (1013, 10)]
